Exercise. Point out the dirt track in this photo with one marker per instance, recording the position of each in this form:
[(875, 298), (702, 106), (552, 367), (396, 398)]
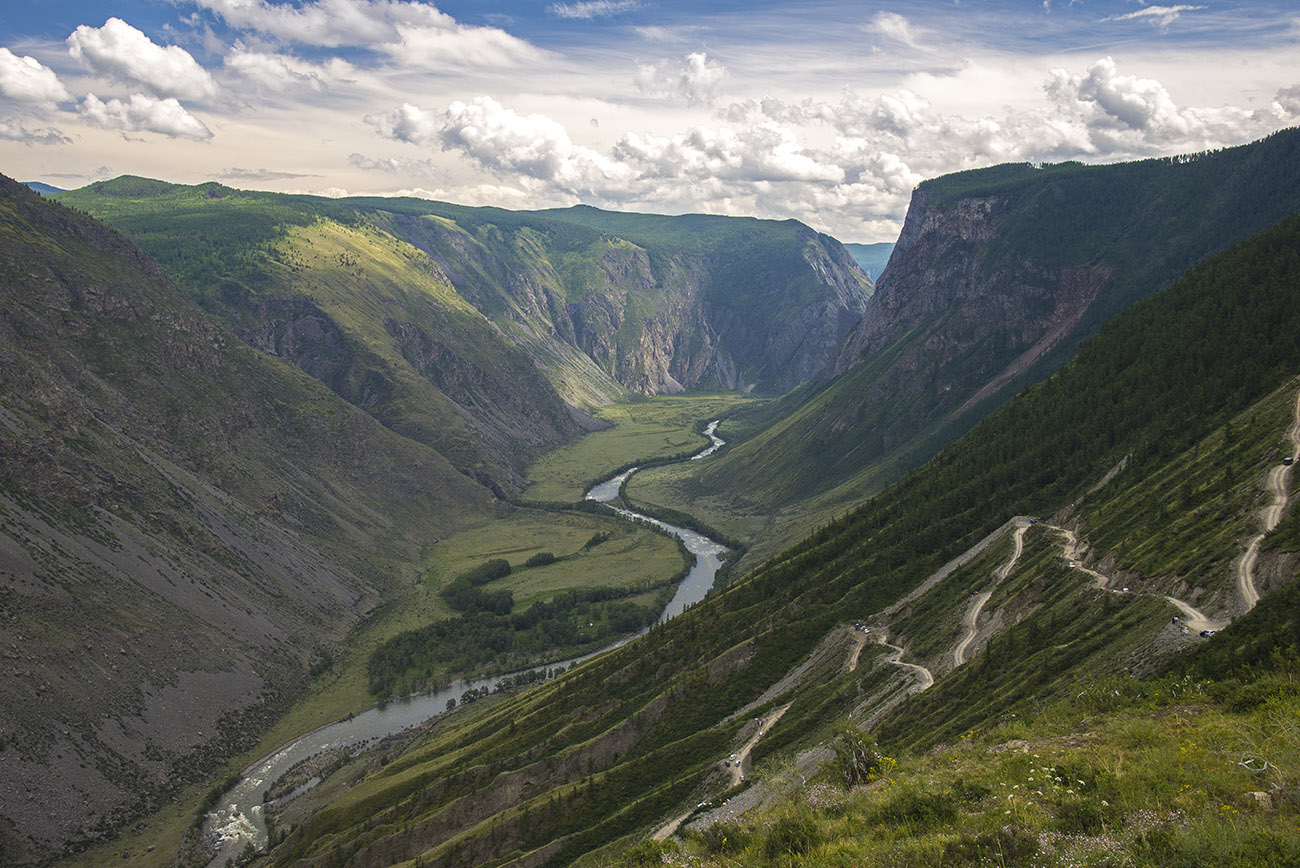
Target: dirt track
[(973, 613), (1277, 484)]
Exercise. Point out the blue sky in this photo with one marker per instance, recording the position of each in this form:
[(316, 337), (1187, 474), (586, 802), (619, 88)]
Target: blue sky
[(828, 112)]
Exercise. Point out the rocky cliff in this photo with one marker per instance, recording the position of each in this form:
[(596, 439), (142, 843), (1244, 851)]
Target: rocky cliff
[(997, 277)]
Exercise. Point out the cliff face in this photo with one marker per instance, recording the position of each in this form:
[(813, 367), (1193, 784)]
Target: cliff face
[(655, 304), (996, 278), (970, 329)]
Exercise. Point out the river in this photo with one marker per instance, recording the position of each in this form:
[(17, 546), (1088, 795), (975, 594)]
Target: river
[(239, 818)]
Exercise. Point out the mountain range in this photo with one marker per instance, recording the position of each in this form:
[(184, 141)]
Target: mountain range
[(235, 421)]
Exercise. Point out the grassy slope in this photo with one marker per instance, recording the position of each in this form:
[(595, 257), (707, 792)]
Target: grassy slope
[(663, 704)]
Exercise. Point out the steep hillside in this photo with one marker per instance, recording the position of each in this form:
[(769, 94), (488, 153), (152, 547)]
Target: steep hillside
[(601, 302), (1140, 465), (997, 276), (186, 526), (363, 312)]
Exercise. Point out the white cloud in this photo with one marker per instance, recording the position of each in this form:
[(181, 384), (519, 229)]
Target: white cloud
[(414, 33), (534, 146), (765, 152), (393, 165), (694, 81), (279, 73), (13, 130), (143, 113), (1123, 114), (589, 9), (1286, 104), (120, 51), (26, 80), (407, 123), (892, 25), (1161, 16)]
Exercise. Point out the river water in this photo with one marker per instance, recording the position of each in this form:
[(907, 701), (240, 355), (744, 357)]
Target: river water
[(239, 818)]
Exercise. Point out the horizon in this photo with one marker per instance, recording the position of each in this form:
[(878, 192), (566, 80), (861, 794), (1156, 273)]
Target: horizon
[(829, 114)]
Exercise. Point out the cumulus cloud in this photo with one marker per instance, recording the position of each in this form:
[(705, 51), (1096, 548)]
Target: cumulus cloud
[(848, 165), (27, 80), (695, 80), (142, 113), (1160, 16), (1126, 114), (13, 130), (765, 152), (280, 73), (393, 165), (406, 123), (589, 9), (534, 145), (120, 51), (413, 32), (1286, 103)]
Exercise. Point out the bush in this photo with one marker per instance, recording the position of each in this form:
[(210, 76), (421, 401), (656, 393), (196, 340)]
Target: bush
[(725, 839), (857, 757), (793, 834), (918, 809), (540, 559)]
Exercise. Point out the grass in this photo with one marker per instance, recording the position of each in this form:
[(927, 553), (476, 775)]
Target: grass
[(648, 429), (631, 556), (1163, 777)]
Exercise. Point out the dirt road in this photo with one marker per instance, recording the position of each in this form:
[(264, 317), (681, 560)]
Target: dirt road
[(1277, 484), (927, 679), (971, 618)]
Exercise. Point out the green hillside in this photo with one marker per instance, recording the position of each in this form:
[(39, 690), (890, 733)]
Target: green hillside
[(600, 302), (1163, 428), (997, 277)]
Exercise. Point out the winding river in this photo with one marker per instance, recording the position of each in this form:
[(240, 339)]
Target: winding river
[(239, 819)]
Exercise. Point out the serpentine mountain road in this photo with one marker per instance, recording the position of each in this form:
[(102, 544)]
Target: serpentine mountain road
[(1277, 483)]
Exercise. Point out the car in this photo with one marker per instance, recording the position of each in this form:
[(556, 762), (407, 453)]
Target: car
[(1208, 633), (1288, 461)]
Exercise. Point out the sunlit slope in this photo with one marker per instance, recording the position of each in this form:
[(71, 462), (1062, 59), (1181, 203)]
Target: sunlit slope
[(368, 315), (998, 274), (628, 741), (601, 302)]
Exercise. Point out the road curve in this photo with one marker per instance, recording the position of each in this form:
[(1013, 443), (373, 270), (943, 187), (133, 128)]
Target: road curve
[(1277, 484), (973, 613), (927, 679)]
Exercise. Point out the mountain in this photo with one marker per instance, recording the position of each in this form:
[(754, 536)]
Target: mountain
[(871, 258), (42, 188), (1049, 555), (602, 303), (998, 275), (365, 313), (186, 526)]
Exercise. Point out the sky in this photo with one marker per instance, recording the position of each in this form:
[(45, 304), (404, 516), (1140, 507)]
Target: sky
[(828, 111)]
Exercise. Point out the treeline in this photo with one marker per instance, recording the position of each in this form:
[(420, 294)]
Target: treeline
[(485, 638)]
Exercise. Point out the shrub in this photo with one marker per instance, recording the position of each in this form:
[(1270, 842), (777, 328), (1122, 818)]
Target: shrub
[(793, 834), (917, 809), (540, 559)]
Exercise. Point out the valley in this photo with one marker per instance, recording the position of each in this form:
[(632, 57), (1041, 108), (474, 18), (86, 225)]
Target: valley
[(291, 462)]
